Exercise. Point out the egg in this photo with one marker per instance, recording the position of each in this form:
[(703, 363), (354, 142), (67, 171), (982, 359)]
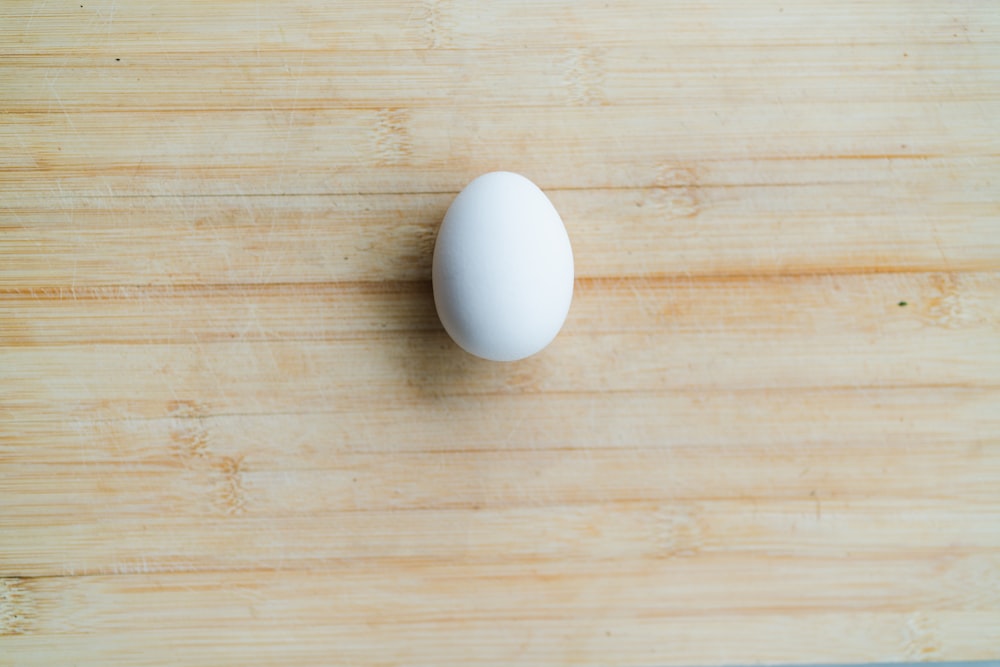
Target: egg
[(502, 268)]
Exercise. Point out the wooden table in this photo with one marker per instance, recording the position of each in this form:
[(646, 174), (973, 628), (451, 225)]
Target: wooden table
[(233, 432)]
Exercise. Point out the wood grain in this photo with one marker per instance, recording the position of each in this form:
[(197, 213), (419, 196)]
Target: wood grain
[(232, 430)]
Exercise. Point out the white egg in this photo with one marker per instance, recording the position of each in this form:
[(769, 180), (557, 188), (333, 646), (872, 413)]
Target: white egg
[(503, 268)]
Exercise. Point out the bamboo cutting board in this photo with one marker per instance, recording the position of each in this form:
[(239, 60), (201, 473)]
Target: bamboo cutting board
[(233, 432)]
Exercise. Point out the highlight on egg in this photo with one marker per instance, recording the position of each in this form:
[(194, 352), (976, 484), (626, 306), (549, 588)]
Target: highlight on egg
[(503, 268)]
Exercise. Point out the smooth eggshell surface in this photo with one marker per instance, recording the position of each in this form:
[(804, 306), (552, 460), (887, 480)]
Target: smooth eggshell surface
[(503, 268)]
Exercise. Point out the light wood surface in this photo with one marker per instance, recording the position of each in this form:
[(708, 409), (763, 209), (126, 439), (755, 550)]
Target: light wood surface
[(232, 430)]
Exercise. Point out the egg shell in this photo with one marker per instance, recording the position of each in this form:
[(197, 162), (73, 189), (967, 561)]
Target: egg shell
[(503, 268)]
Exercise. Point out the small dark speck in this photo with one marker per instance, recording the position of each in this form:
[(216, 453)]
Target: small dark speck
[(906, 55), (118, 60), (902, 303)]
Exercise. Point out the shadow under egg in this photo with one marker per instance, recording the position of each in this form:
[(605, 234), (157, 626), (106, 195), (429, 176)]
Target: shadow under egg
[(424, 364)]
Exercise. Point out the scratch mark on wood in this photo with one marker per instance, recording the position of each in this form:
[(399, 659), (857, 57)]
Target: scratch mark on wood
[(111, 19), (35, 8), (290, 124), (257, 29), (819, 504), (62, 107)]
